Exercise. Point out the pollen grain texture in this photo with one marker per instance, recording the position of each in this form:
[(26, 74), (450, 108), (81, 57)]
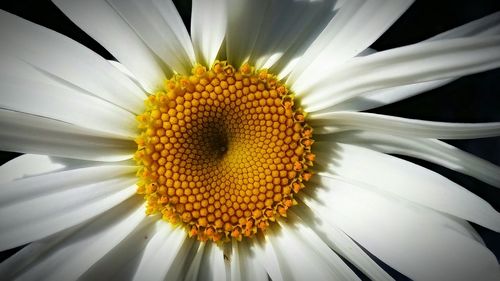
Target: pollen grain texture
[(222, 151)]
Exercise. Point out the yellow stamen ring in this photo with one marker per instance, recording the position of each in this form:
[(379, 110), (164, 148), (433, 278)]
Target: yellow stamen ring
[(222, 151)]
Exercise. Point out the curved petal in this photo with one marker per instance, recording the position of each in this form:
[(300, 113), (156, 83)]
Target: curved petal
[(161, 252), (404, 236), (32, 91), (408, 181), (431, 150), (194, 266), (33, 134), (421, 62), (31, 165), (340, 242), (46, 184), (60, 200), (91, 242), (101, 21), (243, 24), (28, 165), (294, 239), (244, 263), (268, 258), (486, 26), (334, 121), (122, 261), (212, 267), (356, 26), (208, 28), (287, 29), (160, 27), (55, 57)]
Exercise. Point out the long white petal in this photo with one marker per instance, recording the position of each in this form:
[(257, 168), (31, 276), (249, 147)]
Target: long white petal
[(91, 242), (25, 88), (243, 24), (45, 184), (161, 252), (303, 255), (432, 150), (36, 207), (122, 261), (403, 235), (29, 254), (341, 243), (288, 28), (411, 64), (28, 165), (268, 258), (356, 26), (486, 26), (244, 263), (208, 28), (212, 267), (406, 180), (194, 266), (101, 21), (56, 58), (34, 134), (331, 121), (160, 27)]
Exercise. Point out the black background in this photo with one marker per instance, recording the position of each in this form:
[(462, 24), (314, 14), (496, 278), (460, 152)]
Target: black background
[(474, 98)]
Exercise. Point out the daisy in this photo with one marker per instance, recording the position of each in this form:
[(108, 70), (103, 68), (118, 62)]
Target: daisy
[(238, 150)]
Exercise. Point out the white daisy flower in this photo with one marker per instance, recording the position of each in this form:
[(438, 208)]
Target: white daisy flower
[(237, 150)]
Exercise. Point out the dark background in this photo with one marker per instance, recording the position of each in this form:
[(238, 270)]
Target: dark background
[(474, 98)]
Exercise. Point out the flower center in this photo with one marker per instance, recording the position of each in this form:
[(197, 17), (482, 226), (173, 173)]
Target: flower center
[(222, 151)]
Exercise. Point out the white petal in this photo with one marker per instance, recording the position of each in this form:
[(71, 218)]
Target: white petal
[(33, 134), (28, 165), (29, 254), (180, 266), (341, 243), (244, 263), (208, 28), (486, 26), (122, 261), (287, 29), (160, 27), (36, 207), (212, 266), (325, 122), (411, 64), (378, 98), (123, 69), (161, 252), (435, 151), (26, 89), (356, 26), (55, 57), (302, 255), (405, 236), (91, 242), (101, 21), (45, 184), (408, 181), (243, 26), (194, 266), (268, 258)]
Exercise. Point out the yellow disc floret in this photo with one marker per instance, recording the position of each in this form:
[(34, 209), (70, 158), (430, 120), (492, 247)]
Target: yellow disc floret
[(222, 151)]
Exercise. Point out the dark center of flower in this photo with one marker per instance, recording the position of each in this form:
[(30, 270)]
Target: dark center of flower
[(222, 152)]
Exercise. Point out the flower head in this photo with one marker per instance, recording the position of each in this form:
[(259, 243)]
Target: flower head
[(238, 150)]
